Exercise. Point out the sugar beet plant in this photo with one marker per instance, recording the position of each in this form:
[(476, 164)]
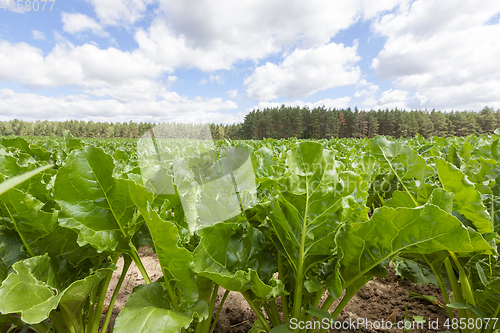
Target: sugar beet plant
[(61, 236), (63, 230), (281, 222), (316, 219), (470, 186)]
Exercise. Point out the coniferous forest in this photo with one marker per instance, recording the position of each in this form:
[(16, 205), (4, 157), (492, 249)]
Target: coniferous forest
[(284, 122)]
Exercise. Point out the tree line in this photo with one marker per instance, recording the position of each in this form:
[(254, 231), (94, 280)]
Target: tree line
[(91, 129), (322, 123), (284, 122)]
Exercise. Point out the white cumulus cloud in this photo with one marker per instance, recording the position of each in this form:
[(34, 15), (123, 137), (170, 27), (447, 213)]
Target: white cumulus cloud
[(173, 108), (67, 64), (392, 98), (305, 72), (77, 23), (446, 51), (120, 12), (215, 34)]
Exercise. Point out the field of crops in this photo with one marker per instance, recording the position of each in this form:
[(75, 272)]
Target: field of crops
[(282, 222)]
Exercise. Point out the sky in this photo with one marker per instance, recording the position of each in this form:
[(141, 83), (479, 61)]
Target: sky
[(216, 60)]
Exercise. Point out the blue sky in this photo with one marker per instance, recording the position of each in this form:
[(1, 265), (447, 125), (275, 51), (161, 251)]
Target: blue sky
[(214, 61)]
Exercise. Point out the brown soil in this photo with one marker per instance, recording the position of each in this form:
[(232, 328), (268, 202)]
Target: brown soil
[(380, 299), (389, 299)]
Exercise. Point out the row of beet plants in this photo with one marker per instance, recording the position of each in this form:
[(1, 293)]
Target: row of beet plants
[(65, 221), (306, 219)]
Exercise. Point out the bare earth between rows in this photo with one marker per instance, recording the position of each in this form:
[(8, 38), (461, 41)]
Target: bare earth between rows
[(380, 299)]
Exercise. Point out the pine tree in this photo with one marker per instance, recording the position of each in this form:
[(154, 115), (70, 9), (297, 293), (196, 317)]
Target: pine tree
[(389, 122), (327, 123), (412, 124), (401, 127), (315, 124), (488, 120), (440, 123), (342, 125), (297, 123), (472, 121), (426, 127), (373, 125), (363, 125)]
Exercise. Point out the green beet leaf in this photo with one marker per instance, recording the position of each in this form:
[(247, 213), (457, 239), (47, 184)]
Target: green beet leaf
[(77, 288), (22, 145), (237, 259), (15, 181), (148, 311), (398, 159), (422, 230), (400, 199), (26, 215), (467, 201), (487, 291), (10, 250), (175, 261), (311, 205), (34, 290), (415, 271), (96, 205), (39, 230), (216, 186)]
